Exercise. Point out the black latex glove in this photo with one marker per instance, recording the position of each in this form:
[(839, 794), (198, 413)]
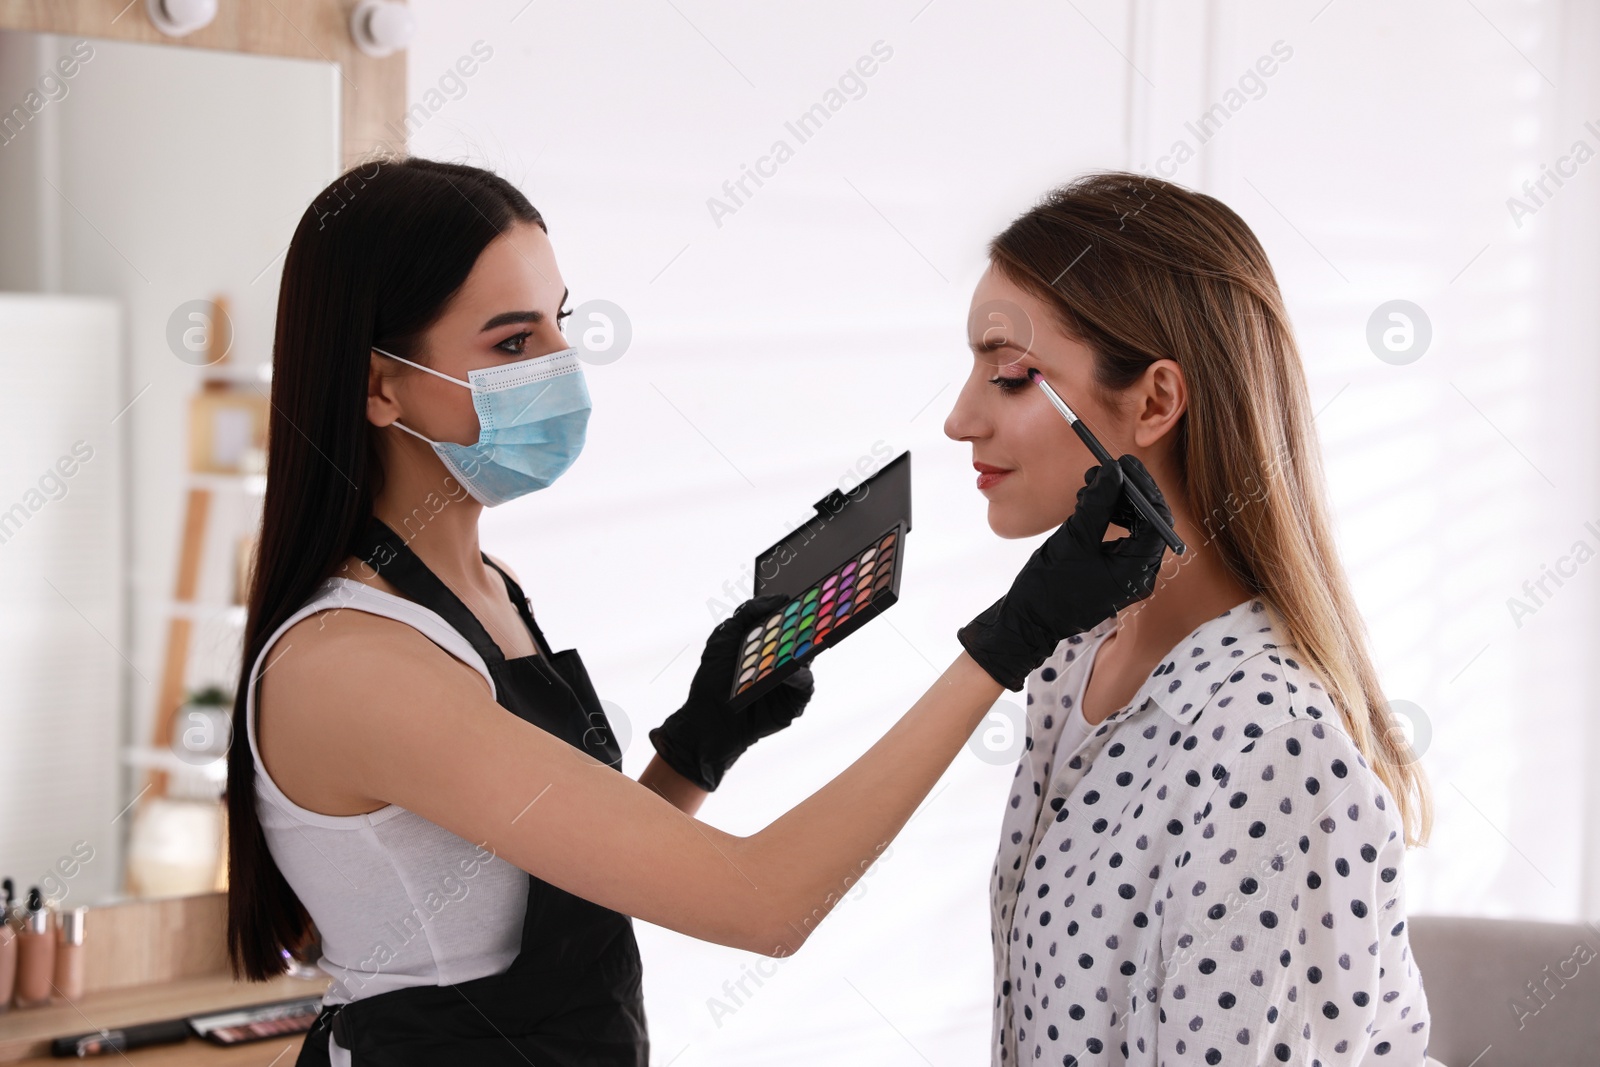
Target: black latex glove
[(702, 739), (1075, 580)]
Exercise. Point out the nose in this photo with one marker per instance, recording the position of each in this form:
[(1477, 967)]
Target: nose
[(548, 338), (966, 421)]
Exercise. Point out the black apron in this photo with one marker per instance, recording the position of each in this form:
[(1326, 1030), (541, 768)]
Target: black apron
[(573, 995)]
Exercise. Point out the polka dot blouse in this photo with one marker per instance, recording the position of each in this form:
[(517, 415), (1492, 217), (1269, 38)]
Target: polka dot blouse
[(1213, 875)]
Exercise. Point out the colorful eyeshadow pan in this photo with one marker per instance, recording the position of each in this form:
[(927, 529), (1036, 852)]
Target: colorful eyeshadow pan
[(807, 621)]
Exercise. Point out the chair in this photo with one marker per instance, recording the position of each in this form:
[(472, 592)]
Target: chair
[(1509, 993)]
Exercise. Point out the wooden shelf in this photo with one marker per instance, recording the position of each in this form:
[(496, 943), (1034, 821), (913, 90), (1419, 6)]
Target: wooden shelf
[(25, 1033), (254, 484), (195, 611)]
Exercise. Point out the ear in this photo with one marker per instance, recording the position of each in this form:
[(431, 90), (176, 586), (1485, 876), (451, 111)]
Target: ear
[(1162, 396), (383, 407)]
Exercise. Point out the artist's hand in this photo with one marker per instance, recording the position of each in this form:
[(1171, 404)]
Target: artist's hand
[(702, 739), (1075, 580)]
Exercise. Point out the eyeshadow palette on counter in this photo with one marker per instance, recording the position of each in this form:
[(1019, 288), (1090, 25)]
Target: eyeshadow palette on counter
[(840, 570), (259, 1022)]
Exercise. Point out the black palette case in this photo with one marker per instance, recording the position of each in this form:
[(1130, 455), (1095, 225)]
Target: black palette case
[(840, 570)]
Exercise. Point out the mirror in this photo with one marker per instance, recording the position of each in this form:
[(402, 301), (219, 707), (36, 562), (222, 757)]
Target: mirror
[(147, 196)]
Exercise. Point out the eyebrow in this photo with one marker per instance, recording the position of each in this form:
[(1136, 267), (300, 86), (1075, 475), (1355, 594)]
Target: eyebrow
[(508, 317), (993, 346)]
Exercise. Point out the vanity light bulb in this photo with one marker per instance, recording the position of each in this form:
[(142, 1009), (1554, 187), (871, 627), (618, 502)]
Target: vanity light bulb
[(381, 27), (177, 18)]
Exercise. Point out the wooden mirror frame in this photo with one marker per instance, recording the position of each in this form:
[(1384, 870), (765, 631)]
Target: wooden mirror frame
[(372, 92)]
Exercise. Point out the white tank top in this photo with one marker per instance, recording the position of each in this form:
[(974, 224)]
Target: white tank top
[(399, 901)]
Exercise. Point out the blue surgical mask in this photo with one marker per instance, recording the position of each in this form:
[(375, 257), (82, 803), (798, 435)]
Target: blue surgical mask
[(532, 416)]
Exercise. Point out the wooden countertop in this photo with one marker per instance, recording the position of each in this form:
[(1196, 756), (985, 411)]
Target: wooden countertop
[(25, 1033), (276, 1052)]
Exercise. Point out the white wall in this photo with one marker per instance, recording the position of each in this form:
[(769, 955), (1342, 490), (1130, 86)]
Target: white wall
[(826, 314)]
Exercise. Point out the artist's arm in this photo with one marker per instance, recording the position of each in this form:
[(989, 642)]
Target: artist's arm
[(396, 720), (674, 788)]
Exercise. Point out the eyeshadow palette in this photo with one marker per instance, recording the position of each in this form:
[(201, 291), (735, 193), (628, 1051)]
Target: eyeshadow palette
[(259, 1022), (840, 570)]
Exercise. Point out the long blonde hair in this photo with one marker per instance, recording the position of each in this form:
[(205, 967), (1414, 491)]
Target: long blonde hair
[(1140, 269)]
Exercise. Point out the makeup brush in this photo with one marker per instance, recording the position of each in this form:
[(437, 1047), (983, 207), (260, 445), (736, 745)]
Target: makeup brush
[(1140, 501)]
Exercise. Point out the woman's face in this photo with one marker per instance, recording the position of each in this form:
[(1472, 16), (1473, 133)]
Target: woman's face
[(1029, 461), (508, 309)]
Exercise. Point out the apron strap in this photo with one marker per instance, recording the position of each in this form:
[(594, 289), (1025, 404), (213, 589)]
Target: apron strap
[(388, 554), (520, 599)]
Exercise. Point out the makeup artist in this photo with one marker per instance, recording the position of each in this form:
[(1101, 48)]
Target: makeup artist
[(419, 780)]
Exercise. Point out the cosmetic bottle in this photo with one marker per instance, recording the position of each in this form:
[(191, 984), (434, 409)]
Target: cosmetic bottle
[(69, 954), (8, 944), (36, 955)]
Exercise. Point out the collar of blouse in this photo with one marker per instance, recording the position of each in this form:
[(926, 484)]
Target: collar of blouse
[(1183, 684)]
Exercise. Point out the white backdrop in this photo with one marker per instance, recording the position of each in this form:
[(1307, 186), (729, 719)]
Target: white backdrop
[(778, 343)]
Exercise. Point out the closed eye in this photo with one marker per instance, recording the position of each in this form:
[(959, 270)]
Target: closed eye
[(1010, 385)]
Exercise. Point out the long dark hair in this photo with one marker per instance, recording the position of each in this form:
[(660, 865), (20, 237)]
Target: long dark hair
[(374, 262)]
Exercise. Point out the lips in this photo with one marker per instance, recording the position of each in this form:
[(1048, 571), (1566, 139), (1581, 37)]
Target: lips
[(989, 475)]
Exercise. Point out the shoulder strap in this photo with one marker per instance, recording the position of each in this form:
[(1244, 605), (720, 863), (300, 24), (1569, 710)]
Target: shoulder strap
[(339, 594), (388, 554), (520, 599)]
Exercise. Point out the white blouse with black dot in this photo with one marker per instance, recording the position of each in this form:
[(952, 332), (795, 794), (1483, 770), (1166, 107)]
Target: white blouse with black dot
[(1214, 875)]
